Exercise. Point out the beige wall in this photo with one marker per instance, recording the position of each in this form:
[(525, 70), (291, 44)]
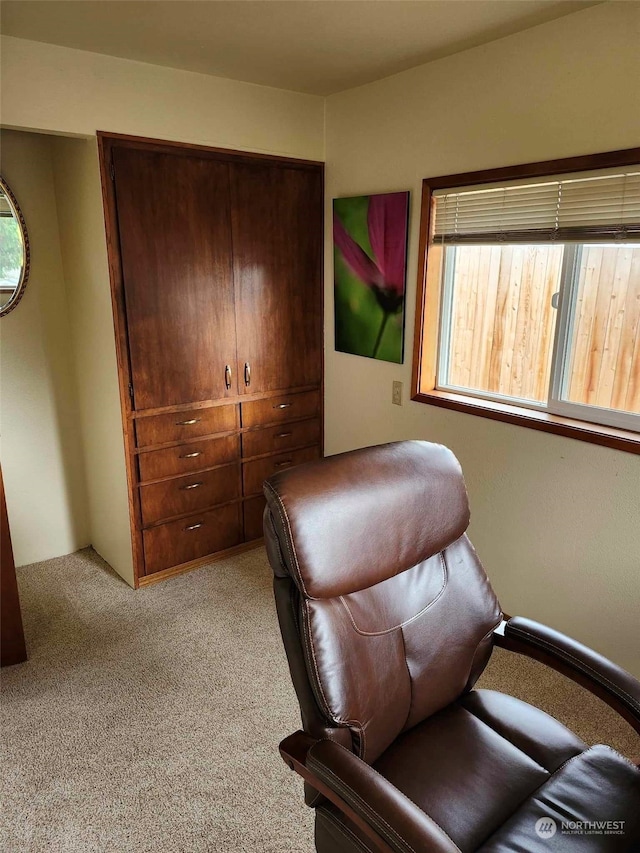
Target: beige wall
[(68, 93), (42, 457), (60, 90), (81, 220), (554, 520)]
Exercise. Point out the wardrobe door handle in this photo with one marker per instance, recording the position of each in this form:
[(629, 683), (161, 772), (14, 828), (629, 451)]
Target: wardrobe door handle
[(283, 435), (227, 377), (284, 462), (247, 373), (188, 423), (191, 486), (191, 455), (194, 526), (283, 406)]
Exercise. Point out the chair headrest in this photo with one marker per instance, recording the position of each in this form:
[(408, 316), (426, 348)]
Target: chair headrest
[(353, 520)]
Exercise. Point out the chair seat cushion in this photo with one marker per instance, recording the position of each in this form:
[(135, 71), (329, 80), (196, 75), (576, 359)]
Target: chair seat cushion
[(474, 766), (590, 805)]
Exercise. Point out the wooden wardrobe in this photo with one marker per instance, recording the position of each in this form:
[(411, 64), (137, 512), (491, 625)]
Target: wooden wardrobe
[(216, 270)]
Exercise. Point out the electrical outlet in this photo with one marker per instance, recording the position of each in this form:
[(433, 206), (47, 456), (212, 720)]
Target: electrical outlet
[(396, 393)]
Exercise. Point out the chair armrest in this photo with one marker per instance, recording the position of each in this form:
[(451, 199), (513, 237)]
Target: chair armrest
[(614, 685), (389, 819)]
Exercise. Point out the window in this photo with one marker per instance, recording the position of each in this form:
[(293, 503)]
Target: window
[(530, 300)]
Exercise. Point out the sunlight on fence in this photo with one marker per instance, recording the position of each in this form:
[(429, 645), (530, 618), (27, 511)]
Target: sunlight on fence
[(502, 320), (605, 363), (503, 323)]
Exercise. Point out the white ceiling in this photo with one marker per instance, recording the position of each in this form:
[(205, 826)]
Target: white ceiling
[(315, 46)]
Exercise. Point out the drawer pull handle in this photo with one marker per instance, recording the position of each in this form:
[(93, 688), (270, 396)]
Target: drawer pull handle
[(191, 455), (188, 423), (191, 486), (283, 434), (285, 462), (227, 377), (283, 406), (247, 373), (194, 526)]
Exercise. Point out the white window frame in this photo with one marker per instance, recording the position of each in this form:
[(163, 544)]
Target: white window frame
[(557, 403), (559, 375)]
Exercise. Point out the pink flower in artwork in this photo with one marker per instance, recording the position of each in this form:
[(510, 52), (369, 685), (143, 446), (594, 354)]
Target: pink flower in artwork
[(385, 273)]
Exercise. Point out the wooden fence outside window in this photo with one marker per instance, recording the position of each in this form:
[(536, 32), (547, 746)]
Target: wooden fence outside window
[(503, 323)]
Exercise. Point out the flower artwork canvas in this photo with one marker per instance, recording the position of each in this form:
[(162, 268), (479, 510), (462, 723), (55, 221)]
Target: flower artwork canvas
[(370, 261)]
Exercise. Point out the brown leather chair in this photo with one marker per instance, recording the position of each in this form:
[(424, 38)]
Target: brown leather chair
[(388, 620)]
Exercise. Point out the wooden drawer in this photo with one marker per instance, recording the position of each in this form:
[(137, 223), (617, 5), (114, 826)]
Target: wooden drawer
[(277, 409), (188, 457), (280, 437), (190, 538), (179, 426), (254, 473), (253, 509), (188, 494)]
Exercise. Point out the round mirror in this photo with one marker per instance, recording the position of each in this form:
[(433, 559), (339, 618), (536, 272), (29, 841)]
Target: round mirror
[(14, 251)]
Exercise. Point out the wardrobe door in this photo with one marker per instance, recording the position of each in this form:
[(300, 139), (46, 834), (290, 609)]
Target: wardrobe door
[(175, 243), (276, 215)]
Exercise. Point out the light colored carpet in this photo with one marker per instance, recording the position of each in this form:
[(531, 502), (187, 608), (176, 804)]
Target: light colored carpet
[(149, 721)]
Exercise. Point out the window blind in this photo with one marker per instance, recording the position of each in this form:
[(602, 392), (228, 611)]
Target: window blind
[(589, 207)]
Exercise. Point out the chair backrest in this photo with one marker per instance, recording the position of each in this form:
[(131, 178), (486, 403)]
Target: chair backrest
[(385, 610)]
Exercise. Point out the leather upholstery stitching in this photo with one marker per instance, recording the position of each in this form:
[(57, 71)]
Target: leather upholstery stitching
[(428, 817), (445, 578), (555, 772), (363, 735), (386, 781), (344, 829), (580, 665), (619, 755), (486, 636), (531, 795), (562, 766), (343, 788), (289, 537), (308, 642), (589, 749)]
